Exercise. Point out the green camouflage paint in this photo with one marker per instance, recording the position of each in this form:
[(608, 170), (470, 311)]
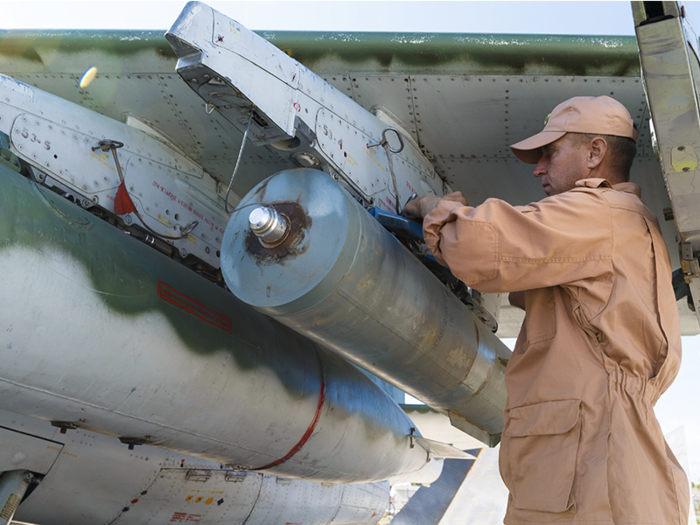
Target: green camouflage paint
[(350, 53)]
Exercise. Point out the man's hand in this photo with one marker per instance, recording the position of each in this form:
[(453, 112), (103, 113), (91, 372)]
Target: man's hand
[(422, 206)]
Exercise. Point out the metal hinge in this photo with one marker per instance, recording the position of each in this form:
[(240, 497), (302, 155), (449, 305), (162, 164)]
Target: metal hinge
[(690, 265)]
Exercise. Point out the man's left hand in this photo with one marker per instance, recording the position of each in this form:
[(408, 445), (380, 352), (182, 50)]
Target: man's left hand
[(422, 206)]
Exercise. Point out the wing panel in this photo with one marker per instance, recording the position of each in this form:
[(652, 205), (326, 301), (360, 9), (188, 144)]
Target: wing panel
[(390, 91), (23, 451)]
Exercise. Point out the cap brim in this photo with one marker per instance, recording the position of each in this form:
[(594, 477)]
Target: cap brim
[(530, 149)]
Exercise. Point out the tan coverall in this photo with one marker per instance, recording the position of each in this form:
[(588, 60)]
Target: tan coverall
[(600, 343)]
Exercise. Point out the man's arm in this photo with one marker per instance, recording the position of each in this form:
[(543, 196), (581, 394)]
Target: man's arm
[(496, 247)]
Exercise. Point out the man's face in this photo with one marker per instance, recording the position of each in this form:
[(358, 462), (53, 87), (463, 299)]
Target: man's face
[(562, 164)]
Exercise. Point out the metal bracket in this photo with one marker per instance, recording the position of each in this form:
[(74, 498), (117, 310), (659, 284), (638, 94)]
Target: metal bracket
[(305, 131), (236, 476), (133, 441), (689, 264), (691, 269), (67, 425), (198, 475)]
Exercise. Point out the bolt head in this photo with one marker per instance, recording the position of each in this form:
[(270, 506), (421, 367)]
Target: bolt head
[(260, 218)]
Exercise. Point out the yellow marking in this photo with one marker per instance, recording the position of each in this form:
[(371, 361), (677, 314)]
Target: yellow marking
[(51, 447), (69, 454), (199, 498), (10, 507), (188, 498), (102, 159), (192, 239), (352, 161), (209, 501), (372, 154), (164, 220)]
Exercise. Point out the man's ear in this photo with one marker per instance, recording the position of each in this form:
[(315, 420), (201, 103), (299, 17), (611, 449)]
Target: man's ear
[(596, 151)]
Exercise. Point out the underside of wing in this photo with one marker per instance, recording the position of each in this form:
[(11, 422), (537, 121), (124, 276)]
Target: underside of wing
[(462, 99)]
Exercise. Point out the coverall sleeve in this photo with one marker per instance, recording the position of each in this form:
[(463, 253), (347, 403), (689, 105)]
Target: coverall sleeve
[(496, 247)]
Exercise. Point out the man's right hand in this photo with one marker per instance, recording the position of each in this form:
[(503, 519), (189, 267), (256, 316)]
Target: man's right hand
[(422, 206)]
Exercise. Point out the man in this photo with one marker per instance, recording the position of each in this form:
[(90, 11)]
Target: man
[(600, 341)]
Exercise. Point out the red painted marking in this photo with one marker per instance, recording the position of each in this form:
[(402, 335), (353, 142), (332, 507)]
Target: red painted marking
[(307, 434), (183, 517), (296, 105), (191, 306), (122, 202), (134, 501)]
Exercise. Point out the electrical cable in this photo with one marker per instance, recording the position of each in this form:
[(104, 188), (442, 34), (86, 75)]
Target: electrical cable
[(238, 160)]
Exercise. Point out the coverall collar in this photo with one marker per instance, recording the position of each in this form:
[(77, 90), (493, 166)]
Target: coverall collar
[(626, 187)]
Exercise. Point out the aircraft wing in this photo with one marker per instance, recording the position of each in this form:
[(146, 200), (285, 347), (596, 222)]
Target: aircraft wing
[(180, 107), (462, 97)]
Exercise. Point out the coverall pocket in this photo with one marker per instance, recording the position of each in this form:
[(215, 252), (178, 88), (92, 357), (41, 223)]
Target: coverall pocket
[(543, 445)]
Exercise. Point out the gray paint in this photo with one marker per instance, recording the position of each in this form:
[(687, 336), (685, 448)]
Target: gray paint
[(86, 338), (351, 286)]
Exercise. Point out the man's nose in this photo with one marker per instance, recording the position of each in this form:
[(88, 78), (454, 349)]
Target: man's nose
[(540, 169)]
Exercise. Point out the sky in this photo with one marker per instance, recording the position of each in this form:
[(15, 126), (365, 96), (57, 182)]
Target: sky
[(679, 406), (601, 18)]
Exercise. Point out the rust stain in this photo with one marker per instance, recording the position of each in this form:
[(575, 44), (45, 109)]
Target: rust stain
[(262, 189), (291, 246)]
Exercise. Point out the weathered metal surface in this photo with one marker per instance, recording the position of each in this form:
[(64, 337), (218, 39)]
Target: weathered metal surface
[(172, 359), (668, 53), (429, 504), (462, 97), (20, 451), (219, 57), (354, 52), (61, 141), (96, 479), (358, 291)]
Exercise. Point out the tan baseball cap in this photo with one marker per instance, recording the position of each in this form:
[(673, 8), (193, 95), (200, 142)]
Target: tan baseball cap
[(595, 115)]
